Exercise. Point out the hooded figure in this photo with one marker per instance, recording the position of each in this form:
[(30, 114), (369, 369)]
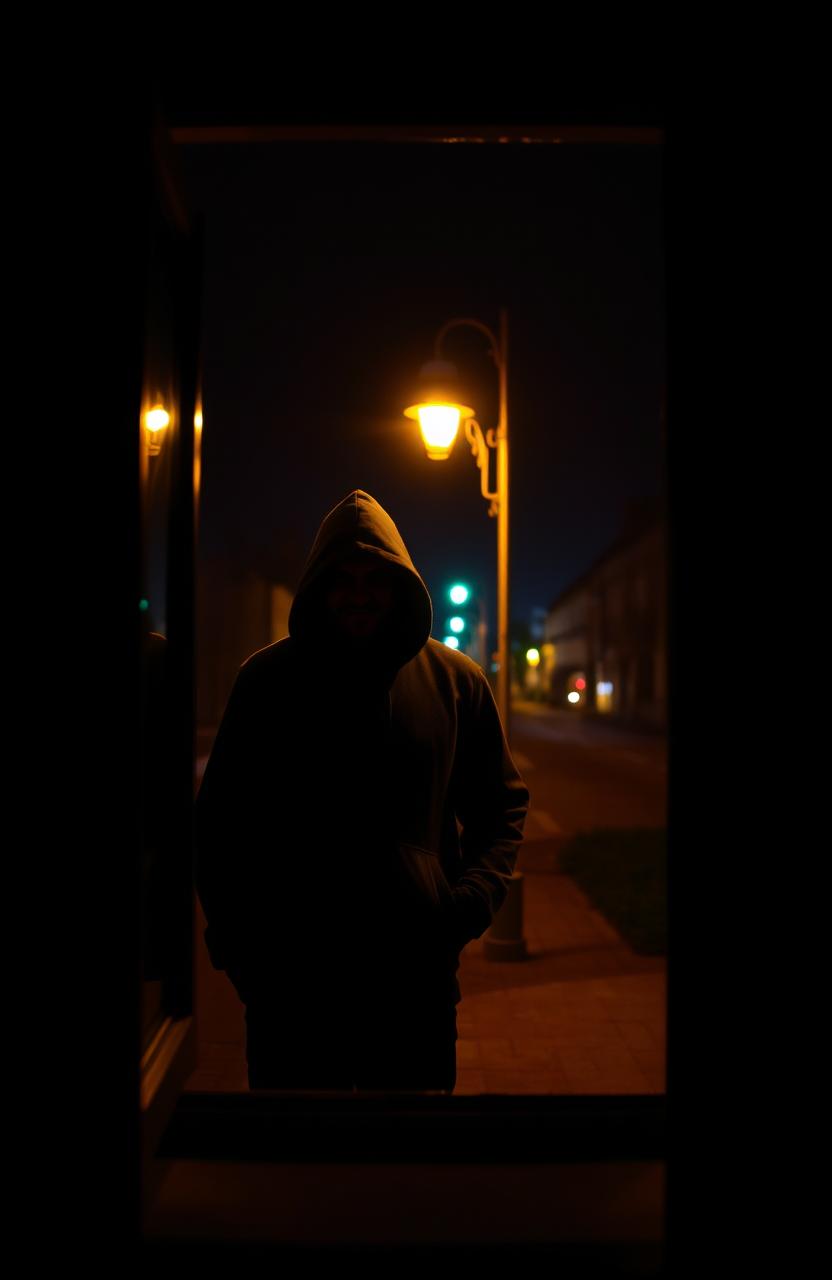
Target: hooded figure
[(357, 824)]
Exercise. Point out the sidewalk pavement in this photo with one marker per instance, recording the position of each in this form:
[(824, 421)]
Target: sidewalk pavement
[(583, 1014)]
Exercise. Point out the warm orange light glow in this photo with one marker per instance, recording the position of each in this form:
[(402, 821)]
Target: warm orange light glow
[(439, 424), (197, 452), (157, 418), (603, 695)]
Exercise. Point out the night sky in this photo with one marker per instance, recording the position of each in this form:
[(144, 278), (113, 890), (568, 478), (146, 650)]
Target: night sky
[(329, 267)]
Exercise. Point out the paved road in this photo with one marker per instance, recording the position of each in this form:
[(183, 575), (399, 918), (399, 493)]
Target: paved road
[(583, 773)]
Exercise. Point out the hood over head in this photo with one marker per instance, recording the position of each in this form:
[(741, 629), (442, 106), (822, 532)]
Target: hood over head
[(360, 526)]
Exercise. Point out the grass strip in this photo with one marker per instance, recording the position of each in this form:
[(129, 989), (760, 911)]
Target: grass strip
[(623, 872)]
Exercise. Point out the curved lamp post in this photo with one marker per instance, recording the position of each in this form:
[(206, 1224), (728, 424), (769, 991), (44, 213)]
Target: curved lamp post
[(439, 411)]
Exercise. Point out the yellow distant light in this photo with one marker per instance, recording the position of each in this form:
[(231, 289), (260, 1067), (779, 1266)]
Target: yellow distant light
[(198, 419), (532, 657), (157, 418), (574, 696), (603, 695)]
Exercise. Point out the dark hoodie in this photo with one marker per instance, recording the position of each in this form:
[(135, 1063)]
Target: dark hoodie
[(354, 801)]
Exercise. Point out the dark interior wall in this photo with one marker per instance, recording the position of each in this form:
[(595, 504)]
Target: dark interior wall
[(79, 667), (233, 621)]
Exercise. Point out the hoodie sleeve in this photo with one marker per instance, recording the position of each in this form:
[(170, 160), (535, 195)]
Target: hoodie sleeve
[(491, 805)]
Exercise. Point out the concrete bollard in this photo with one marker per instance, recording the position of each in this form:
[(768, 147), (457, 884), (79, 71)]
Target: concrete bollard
[(504, 939)]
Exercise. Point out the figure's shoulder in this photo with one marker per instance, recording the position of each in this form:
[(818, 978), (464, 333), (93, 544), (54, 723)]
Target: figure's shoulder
[(465, 673), (271, 660)]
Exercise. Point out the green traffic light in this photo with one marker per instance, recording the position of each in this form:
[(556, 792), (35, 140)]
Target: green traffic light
[(459, 593), (457, 624)]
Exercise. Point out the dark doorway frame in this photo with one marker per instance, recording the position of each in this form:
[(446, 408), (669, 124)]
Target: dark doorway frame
[(274, 1128)]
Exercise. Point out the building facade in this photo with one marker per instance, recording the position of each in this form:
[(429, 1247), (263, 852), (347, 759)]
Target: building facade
[(605, 637)]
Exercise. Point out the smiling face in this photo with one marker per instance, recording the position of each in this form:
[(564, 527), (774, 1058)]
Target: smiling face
[(359, 596)]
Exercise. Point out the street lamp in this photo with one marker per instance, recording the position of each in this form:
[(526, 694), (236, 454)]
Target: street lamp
[(439, 410)]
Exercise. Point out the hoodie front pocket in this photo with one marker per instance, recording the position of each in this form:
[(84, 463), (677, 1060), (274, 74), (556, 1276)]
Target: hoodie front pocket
[(423, 872)]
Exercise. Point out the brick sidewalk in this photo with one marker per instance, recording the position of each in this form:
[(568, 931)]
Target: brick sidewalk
[(583, 1014)]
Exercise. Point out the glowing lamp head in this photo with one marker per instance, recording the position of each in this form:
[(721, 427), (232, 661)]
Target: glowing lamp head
[(457, 625), (438, 409), (452, 642), (532, 657), (156, 419), (459, 593), (574, 696), (439, 424)]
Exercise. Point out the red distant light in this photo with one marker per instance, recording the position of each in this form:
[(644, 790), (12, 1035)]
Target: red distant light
[(580, 684)]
